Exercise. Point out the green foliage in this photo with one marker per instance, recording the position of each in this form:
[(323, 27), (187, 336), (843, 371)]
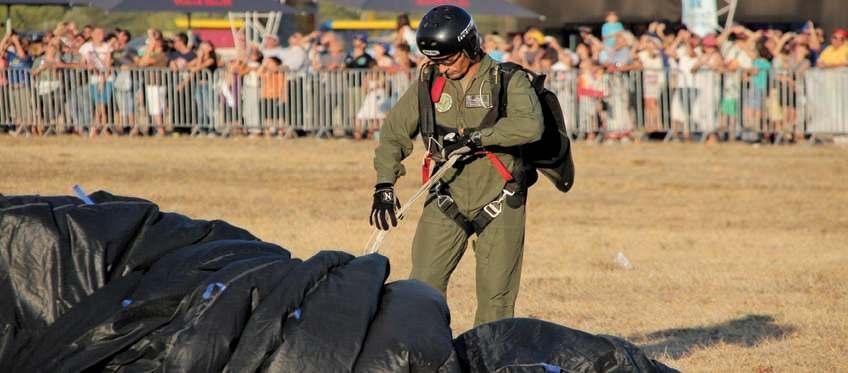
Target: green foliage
[(44, 18)]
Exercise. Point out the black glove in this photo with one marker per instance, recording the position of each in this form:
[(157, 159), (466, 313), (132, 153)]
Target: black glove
[(385, 203), (454, 144)]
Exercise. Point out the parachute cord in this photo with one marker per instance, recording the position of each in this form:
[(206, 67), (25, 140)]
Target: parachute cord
[(378, 236)]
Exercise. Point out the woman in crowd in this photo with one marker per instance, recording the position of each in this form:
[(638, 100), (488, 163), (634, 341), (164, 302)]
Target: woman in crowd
[(154, 57), (274, 97), (203, 68), (48, 86)]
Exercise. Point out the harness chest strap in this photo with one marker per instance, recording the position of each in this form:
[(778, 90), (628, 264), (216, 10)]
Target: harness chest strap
[(486, 215), (493, 159)]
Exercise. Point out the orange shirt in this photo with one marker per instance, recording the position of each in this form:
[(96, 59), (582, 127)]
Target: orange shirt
[(274, 86)]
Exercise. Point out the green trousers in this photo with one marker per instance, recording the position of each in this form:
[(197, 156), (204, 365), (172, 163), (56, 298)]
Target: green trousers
[(440, 242)]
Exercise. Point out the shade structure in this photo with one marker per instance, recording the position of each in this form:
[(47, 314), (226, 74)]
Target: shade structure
[(475, 7), (188, 6)]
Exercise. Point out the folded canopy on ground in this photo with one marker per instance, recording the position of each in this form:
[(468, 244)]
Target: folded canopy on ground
[(118, 285)]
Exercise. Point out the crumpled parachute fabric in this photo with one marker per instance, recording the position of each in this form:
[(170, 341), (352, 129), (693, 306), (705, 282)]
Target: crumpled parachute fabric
[(119, 286)]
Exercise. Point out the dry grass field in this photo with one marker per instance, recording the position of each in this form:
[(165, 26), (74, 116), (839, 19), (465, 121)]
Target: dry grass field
[(740, 253)]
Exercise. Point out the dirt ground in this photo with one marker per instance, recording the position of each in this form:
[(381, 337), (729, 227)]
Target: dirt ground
[(739, 253)]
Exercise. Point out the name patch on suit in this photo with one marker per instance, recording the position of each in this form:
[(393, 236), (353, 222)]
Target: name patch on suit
[(472, 101)]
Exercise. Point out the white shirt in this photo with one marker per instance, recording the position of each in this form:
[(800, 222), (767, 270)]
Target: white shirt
[(294, 58), (273, 52), (685, 79), (96, 55)]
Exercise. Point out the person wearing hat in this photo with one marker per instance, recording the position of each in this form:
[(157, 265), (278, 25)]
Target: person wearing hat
[(271, 47), (457, 100), (836, 54)]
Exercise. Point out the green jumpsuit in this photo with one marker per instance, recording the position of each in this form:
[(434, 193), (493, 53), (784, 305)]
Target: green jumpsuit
[(439, 241)]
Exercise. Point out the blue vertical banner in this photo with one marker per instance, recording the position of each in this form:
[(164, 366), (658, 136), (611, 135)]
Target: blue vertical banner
[(700, 16)]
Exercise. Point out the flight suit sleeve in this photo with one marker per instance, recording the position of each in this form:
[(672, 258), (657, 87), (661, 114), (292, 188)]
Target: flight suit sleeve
[(523, 122), (396, 134)]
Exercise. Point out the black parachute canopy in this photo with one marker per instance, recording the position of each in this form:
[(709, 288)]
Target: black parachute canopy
[(205, 6), (110, 283), (475, 7)]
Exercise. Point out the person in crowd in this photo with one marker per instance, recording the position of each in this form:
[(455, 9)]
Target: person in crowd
[(404, 34), (790, 66), (48, 86), (78, 105), (611, 27), (618, 62), (496, 47), (758, 76), (202, 71), (360, 60), (590, 99), (229, 90), (62, 32), (531, 53), (331, 55), (123, 60), (738, 59), (294, 57), (836, 54), (274, 97), (250, 93), (87, 31), (400, 75), (653, 79), (180, 53), (271, 47), (683, 53), (566, 59), (18, 63), (154, 89), (708, 69), (97, 58), (372, 112)]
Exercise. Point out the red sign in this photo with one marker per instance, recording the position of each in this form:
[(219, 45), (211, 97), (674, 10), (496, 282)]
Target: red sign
[(432, 3), (203, 3)]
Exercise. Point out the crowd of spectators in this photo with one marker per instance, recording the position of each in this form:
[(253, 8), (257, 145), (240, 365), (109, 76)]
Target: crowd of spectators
[(256, 83), (680, 70)]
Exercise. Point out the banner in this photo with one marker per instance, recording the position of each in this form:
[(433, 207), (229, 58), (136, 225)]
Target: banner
[(700, 16)]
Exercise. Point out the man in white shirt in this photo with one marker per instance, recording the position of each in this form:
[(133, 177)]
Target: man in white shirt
[(294, 57), (271, 47), (97, 53)]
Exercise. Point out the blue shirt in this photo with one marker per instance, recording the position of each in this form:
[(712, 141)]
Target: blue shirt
[(763, 67), (19, 68)]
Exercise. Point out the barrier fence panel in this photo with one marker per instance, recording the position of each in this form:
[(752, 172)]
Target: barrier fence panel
[(774, 104), (827, 101)]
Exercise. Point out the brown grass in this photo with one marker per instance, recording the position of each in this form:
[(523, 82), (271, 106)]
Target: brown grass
[(739, 252)]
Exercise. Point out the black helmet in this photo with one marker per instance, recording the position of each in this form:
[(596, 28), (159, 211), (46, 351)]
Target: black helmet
[(446, 30)]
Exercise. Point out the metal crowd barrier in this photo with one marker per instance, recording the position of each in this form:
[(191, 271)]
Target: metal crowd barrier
[(670, 103), (776, 104)]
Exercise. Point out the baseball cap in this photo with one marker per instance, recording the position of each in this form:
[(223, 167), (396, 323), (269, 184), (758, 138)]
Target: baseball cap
[(841, 33), (537, 35)]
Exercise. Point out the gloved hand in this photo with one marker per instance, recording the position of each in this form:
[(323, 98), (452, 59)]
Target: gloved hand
[(384, 206), (455, 144)]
